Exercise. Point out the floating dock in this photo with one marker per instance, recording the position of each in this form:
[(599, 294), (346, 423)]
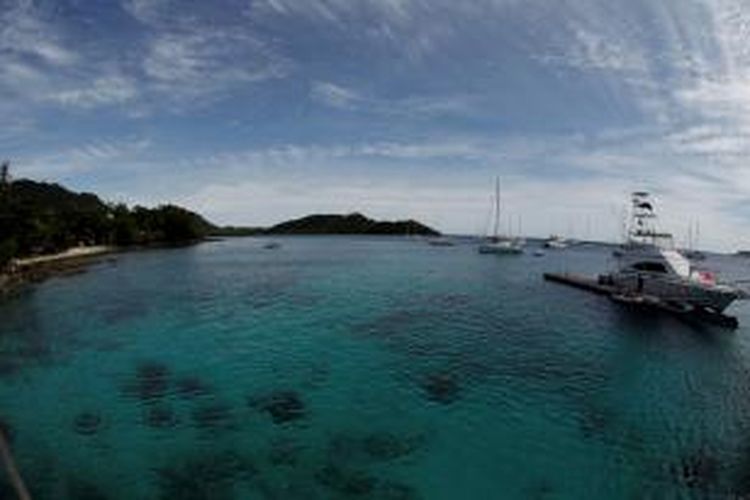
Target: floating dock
[(640, 302)]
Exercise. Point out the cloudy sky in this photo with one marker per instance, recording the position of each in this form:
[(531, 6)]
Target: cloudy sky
[(253, 111)]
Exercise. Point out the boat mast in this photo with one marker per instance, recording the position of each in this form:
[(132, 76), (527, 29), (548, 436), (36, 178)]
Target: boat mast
[(497, 207), (697, 233)]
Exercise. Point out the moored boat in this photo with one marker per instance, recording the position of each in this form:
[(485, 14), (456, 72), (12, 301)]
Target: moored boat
[(441, 242), (649, 268), (497, 243), (555, 242)]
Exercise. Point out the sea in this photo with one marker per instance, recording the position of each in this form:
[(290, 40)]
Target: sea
[(367, 367)]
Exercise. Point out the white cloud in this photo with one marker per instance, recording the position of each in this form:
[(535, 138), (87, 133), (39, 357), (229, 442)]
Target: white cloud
[(334, 95), (84, 158), (400, 25), (149, 11), (595, 51), (24, 32), (102, 91), (347, 98), (205, 62)]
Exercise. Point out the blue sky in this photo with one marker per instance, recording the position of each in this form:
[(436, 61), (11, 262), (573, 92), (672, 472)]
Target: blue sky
[(254, 111)]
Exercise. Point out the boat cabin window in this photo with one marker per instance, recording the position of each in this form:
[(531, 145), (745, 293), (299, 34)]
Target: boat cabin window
[(653, 267)]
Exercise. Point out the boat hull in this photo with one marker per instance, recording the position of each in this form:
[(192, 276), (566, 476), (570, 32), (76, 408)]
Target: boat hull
[(499, 249), (682, 292)]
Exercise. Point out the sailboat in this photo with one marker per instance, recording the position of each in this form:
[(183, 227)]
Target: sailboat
[(497, 243), (691, 252)]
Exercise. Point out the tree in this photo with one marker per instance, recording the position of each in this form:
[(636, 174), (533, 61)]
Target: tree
[(178, 225), (8, 248), (125, 227), (5, 174)]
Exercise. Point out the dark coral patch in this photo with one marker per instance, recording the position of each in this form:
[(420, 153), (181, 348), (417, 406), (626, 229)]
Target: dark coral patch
[(213, 416), (388, 446), (284, 452), (205, 476), (594, 420), (697, 471), (282, 406), (347, 482), (441, 388), (160, 417), (87, 423), (84, 490), (151, 382), (191, 387), (372, 447), (391, 490)]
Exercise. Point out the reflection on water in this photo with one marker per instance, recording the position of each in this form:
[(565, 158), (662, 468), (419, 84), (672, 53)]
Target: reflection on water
[(365, 368)]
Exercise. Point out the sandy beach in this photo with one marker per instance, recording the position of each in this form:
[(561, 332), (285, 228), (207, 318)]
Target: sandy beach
[(71, 253)]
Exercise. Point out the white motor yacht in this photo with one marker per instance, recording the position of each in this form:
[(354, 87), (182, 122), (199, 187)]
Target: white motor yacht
[(555, 242), (649, 267)]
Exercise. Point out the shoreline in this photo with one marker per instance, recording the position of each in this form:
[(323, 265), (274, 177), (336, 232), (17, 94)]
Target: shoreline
[(31, 270), (69, 254)]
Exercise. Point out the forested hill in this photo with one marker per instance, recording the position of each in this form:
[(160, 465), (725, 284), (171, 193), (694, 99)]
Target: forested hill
[(41, 218), (349, 224), (38, 217)]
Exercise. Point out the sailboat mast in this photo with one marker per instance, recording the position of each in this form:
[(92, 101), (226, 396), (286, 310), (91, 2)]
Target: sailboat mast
[(697, 232), (497, 207)]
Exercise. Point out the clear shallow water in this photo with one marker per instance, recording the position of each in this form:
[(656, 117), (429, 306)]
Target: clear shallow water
[(366, 368)]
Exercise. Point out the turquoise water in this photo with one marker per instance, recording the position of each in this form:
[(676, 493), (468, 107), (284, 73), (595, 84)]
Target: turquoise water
[(366, 368)]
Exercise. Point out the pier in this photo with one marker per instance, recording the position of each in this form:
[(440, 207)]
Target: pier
[(641, 302)]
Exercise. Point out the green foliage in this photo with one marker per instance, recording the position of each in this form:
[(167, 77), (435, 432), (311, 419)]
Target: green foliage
[(40, 218), (124, 226), (179, 225), (8, 249)]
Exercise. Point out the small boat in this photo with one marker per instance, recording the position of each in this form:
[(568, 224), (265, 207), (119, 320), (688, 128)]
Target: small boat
[(441, 242), (555, 242), (272, 245), (507, 246), (695, 255), (500, 244), (539, 253)]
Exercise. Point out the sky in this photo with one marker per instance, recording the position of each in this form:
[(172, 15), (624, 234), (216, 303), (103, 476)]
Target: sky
[(255, 111)]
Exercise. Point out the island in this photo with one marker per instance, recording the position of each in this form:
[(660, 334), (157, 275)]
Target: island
[(354, 223)]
